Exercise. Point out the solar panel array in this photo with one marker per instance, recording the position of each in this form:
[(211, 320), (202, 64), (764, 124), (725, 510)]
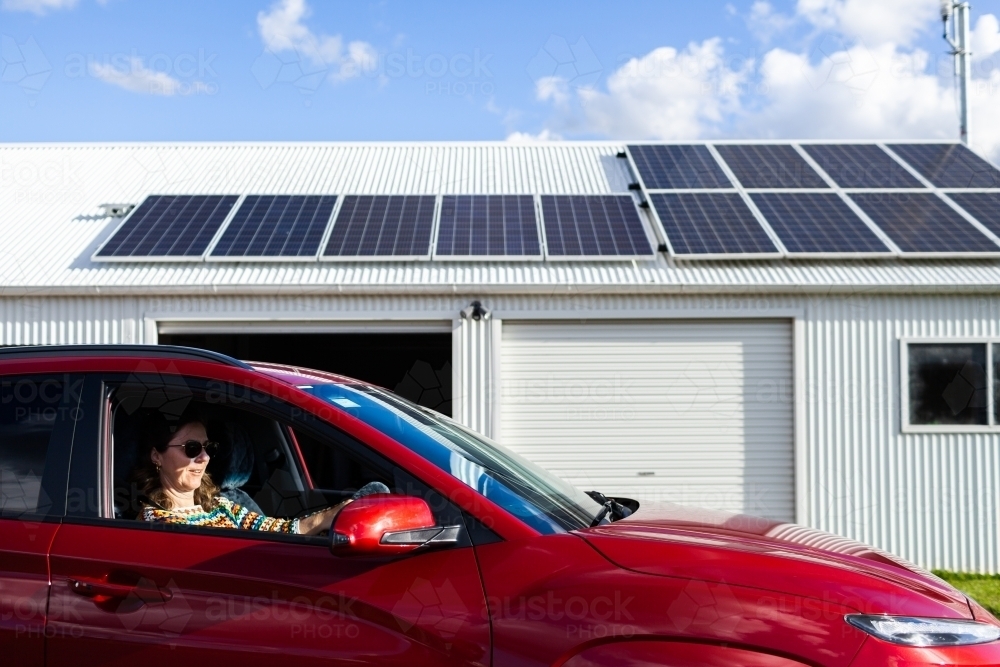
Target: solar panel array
[(817, 222), (383, 226), (861, 166), (704, 201), (828, 200), (924, 223), (678, 167), (276, 226), (169, 226), (983, 206), (770, 166), (588, 226), (488, 226), (949, 165), (714, 223)]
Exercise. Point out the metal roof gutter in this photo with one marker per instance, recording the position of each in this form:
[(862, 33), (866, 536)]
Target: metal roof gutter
[(492, 289)]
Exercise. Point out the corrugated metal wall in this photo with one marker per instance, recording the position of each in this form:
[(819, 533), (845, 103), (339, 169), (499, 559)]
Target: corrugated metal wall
[(476, 344), (933, 499)]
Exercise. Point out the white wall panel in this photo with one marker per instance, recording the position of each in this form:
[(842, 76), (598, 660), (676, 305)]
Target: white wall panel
[(475, 371), (693, 412)]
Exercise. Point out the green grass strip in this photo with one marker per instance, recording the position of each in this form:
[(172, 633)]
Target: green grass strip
[(983, 588)]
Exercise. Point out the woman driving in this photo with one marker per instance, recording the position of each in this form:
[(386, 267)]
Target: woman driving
[(179, 490)]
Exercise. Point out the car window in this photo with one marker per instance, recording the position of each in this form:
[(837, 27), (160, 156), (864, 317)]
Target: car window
[(539, 498), (37, 414), (273, 458)]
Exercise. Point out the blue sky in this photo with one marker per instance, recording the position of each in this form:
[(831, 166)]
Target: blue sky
[(311, 70)]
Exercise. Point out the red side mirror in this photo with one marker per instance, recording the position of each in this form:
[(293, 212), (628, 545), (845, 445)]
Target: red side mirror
[(387, 525)]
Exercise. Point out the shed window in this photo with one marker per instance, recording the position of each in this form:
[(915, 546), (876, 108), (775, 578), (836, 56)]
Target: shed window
[(996, 382), (948, 384)]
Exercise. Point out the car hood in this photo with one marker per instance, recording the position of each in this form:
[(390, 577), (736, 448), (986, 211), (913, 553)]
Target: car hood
[(737, 549)]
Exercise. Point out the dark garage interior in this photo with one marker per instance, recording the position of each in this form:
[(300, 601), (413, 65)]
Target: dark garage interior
[(416, 366)]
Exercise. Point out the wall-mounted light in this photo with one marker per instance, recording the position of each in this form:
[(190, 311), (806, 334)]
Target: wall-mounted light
[(475, 311)]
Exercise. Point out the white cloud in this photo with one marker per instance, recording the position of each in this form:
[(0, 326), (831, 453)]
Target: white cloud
[(876, 23), (863, 94), (39, 7), (764, 22), (835, 87), (552, 88), (881, 93), (985, 37), (667, 93), (135, 77), (984, 102), (282, 28), (528, 138)]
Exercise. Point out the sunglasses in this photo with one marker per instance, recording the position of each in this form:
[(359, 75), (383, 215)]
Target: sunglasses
[(192, 448)]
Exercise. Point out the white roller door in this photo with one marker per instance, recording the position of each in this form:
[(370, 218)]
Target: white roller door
[(695, 412)]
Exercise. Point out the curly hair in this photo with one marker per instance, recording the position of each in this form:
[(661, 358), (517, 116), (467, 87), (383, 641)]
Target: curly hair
[(155, 433)]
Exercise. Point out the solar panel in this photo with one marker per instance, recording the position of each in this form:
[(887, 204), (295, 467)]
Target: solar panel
[(770, 166), (861, 166), (816, 222), (488, 225), (169, 226), (922, 222), (276, 226), (605, 225), (710, 223), (983, 206), (678, 167), (949, 165), (382, 226)]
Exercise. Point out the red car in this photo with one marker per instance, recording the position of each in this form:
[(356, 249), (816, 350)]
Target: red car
[(476, 556)]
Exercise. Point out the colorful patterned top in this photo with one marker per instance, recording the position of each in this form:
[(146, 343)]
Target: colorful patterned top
[(226, 514)]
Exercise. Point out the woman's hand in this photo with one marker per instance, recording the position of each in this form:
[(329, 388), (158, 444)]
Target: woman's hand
[(314, 524)]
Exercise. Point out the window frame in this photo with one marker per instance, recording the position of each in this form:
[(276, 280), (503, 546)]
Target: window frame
[(92, 464), (992, 425)]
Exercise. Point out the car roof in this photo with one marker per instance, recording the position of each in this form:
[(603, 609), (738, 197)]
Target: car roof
[(293, 375), (297, 375), (157, 351)]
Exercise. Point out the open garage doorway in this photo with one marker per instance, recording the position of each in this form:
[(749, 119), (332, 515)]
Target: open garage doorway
[(416, 366)]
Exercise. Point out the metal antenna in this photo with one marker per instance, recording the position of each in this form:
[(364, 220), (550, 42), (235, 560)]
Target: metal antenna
[(955, 15)]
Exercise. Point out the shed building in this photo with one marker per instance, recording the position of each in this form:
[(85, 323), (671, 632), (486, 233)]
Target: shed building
[(804, 331)]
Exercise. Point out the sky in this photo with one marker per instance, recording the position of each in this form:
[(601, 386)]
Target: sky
[(313, 70)]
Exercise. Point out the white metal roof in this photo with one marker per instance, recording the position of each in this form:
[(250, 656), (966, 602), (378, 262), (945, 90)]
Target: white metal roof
[(51, 221)]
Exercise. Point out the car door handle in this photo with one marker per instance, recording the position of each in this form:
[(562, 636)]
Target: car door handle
[(145, 590)]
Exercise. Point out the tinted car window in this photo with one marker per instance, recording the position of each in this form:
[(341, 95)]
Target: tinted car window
[(34, 414)]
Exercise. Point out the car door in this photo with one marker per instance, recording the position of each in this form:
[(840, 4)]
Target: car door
[(127, 591), (37, 417)]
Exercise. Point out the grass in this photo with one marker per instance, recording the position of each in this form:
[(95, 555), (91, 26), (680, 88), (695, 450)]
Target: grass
[(983, 588)]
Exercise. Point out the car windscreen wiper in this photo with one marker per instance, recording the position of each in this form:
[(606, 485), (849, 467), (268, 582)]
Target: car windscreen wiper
[(610, 508)]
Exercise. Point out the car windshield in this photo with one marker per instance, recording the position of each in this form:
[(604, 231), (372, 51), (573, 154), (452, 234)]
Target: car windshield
[(542, 500)]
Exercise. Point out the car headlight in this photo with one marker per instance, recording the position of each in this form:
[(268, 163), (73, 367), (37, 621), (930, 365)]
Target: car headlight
[(912, 631)]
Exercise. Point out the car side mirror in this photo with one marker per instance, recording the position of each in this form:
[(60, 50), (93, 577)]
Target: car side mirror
[(387, 525)]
